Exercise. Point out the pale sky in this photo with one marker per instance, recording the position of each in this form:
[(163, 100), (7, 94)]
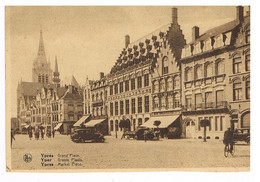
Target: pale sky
[(88, 40)]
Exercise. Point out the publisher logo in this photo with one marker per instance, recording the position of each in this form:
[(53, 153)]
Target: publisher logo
[(27, 158)]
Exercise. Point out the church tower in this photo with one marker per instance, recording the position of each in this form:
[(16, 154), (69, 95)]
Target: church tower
[(41, 71), (56, 74)]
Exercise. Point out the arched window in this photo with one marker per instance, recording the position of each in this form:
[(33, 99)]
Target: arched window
[(169, 84), (112, 125), (237, 90), (165, 64), (97, 96), (188, 74), (162, 85), (209, 70), (248, 88), (176, 82), (220, 67), (198, 72), (156, 102)]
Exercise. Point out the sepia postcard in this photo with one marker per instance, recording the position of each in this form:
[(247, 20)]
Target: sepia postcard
[(127, 88)]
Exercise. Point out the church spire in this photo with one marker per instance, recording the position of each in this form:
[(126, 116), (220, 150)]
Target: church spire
[(56, 74), (41, 50)]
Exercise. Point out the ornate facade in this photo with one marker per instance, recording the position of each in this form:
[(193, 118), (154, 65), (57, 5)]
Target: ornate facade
[(216, 78)]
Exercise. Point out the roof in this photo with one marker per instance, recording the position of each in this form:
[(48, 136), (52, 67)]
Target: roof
[(70, 81), (61, 91), (30, 88), (147, 47), (217, 30), (73, 96)]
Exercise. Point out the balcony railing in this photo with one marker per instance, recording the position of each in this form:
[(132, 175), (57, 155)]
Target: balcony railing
[(205, 106)]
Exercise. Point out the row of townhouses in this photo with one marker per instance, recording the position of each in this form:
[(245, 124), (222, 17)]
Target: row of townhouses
[(159, 77)]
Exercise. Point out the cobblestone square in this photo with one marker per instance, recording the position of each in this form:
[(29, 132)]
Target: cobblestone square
[(125, 154)]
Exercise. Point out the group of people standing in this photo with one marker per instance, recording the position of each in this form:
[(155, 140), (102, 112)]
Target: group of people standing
[(39, 132)]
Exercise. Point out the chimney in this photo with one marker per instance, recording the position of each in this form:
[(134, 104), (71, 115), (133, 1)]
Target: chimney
[(101, 75), (174, 15), (195, 32), (240, 13), (127, 40)]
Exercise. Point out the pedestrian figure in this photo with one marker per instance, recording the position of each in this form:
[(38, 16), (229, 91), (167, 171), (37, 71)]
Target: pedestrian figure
[(42, 134), (53, 133), (30, 133), (12, 137), (228, 138), (37, 134)]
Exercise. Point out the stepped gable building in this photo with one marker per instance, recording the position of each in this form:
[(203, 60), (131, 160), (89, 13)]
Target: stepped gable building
[(130, 80), (216, 78), (166, 79)]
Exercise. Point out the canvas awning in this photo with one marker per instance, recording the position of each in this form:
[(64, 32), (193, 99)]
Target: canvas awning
[(27, 126), (58, 126), (93, 123), (81, 120), (165, 121)]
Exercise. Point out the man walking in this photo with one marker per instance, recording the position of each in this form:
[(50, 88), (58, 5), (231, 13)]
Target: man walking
[(228, 138)]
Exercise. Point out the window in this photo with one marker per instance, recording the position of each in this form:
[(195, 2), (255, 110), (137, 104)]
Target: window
[(248, 88), (121, 88), (198, 72), (247, 34), (96, 96), (132, 84), (207, 45), (162, 85), (127, 106), (170, 101), (222, 119), (146, 80), (156, 86), (198, 100), (39, 79), (156, 102), (140, 122), (139, 104), (188, 99), (216, 123), (219, 97), (146, 102), (220, 68), (127, 85), (209, 70), (111, 89), (121, 107), (47, 79), (176, 82), (169, 84), (116, 108), (165, 64), (139, 82), (237, 90), (111, 125), (133, 106), (116, 125), (248, 62), (208, 99), (210, 123), (176, 99), (163, 101), (188, 74), (237, 65), (116, 88)]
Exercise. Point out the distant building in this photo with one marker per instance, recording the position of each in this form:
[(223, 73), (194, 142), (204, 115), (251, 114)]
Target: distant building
[(216, 78)]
